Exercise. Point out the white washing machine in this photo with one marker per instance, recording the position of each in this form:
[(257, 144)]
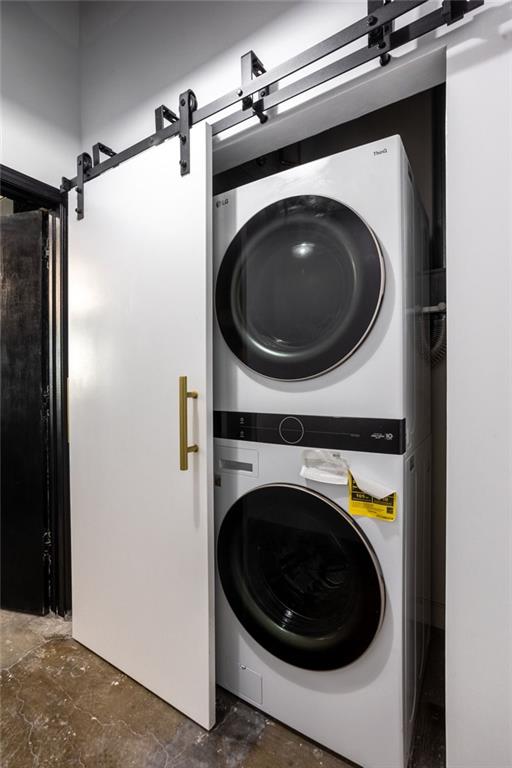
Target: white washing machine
[(319, 288), (322, 616), (320, 342)]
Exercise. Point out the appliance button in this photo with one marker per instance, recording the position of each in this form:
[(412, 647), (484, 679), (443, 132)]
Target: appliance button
[(291, 430)]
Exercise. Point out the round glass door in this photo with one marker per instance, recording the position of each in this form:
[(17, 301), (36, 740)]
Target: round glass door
[(300, 576), (299, 287)]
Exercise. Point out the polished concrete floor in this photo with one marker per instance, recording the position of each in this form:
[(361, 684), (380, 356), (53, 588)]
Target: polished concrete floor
[(62, 706)]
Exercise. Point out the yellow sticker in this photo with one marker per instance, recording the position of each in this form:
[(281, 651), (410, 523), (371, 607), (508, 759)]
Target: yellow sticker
[(361, 503)]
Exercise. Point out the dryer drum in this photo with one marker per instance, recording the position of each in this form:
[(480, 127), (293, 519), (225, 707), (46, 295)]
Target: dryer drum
[(300, 576), (299, 287)]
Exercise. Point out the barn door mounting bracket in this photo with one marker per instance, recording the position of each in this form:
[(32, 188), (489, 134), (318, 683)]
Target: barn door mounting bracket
[(188, 104), (65, 184), (453, 10), (101, 149), (164, 113), (252, 67), (381, 36), (83, 165)]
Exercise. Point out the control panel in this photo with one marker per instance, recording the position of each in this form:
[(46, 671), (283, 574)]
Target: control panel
[(350, 434)]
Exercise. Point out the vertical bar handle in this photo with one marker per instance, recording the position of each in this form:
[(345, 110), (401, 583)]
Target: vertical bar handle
[(185, 448)]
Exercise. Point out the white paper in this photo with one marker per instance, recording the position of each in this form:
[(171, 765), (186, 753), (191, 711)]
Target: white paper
[(372, 487), (324, 467)]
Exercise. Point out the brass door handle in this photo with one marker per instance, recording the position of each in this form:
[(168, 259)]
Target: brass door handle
[(185, 448)]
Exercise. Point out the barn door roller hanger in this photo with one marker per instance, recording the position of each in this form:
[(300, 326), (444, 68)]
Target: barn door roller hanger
[(260, 90)]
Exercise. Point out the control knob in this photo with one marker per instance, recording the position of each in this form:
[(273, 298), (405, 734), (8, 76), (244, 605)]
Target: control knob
[(291, 430)]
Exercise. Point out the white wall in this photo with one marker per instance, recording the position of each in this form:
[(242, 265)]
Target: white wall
[(40, 101), (479, 396)]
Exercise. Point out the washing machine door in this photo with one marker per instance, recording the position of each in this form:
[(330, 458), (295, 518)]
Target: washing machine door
[(300, 576), (299, 287)]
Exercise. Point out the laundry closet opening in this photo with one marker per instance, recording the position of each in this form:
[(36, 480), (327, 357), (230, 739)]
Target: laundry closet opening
[(419, 120)]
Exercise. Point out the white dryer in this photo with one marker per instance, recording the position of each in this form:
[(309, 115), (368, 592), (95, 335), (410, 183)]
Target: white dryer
[(319, 286), (322, 617)]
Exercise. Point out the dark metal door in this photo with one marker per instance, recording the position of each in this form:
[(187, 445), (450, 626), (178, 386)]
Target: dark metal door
[(24, 420)]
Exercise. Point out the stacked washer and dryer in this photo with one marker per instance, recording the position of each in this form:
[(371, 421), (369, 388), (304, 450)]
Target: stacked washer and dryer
[(320, 342)]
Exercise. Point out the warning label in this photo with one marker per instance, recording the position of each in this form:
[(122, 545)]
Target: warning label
[(361, 503)]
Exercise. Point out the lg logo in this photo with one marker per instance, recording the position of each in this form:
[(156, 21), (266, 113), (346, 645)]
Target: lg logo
[(221, 202), (382, 435)]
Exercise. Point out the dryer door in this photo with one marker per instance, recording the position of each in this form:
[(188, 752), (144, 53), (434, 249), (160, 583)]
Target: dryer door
[(299, 287), (300, 576)]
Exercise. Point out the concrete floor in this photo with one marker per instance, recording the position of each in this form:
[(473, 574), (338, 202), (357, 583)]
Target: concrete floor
[(63, 706)]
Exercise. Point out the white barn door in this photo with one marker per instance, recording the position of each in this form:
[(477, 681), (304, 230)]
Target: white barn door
[(141, 526)]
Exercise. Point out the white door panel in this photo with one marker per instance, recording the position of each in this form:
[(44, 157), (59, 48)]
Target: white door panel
[(142, 530)]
